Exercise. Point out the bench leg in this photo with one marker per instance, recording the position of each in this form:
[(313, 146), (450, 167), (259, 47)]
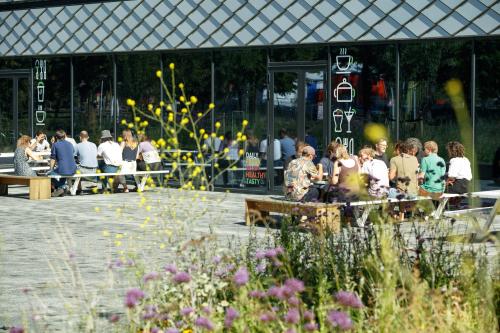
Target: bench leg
[(252, 214), (40, 188), (495, 210), (73, 185), (439, 211), (4, 189), (141, 182), (366, 212)]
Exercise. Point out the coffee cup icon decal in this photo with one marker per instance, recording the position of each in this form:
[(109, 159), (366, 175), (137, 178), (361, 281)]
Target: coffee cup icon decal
[(344, 62), (40, 88), (344, 92), (338, 117), (40, 117)]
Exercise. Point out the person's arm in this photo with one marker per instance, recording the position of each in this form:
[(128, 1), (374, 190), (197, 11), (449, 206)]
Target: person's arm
[(30, 154), (319, 176), (53, 157), (335, 177), (393, 170)]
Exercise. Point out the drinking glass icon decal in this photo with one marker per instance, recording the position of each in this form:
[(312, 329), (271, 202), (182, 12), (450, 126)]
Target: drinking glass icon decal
[(338, 117), (344, 61), (40, 88), (344, 92), (349, 114)]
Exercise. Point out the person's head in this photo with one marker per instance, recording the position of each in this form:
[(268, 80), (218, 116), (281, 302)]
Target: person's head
[(106, 136), (341, 152), (381, 146), (332, 149), (23, 141), (127, 136), (366, 154), (430, 147), (308, 152), (415, 143), (84, 136), (455, 149), (283, 133), (410, 147), (143, 138), (40, 136), (299, 146), (398, 148), (60, 135)]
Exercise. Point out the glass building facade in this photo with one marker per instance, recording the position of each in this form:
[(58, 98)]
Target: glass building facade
[(317, 92)]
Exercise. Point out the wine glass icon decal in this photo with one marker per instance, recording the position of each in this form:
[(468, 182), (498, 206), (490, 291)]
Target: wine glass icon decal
[(349, 114), (338, 117)]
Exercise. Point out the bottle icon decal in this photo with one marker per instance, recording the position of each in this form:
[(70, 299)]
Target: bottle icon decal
[(40, 88)]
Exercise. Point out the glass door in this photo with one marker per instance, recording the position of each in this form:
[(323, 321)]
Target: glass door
[(15, 107), (295, 113)]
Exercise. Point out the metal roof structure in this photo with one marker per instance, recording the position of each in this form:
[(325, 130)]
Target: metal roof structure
[(161, 25)]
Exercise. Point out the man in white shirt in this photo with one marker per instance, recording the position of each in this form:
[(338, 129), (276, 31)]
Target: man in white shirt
[(277, 152), (40, 143), (378, 174), (110, 154)]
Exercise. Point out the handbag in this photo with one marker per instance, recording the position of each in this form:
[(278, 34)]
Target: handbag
[(151, 157)]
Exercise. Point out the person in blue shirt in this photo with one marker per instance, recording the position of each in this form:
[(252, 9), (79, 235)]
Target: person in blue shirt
[(62, 162), (287, 145)]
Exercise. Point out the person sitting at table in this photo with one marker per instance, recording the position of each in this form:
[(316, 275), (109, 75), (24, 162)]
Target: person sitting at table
[(86, 153), (62, 155), (39, 143), (376, 172), (432, 172), (329, 159), (345, 175), (130, 150), (299, 145), (300, 175), (149, 159), (110, 155), (21, 156), (459, 172)]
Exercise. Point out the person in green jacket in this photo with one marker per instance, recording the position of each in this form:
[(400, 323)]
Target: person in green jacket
[(433, 170)]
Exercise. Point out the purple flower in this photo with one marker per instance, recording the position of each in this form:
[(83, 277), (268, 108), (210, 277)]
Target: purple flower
[(347, 298), (155, 330), (277, 292), (310, 327), (292, 316), (217, 259), (294, 301), (16, 329), (150, 276), (207, 310), (295, 285), (260, 254), (205, 323), (256, 294), (261, 268), (114, 318), (308, 315), (182, 277), (339, 319), (133, 296), (171, 268), (186, 311), (271, 253), (268, 316), (231, 315), (150, 312), (241, 276), (172, 330)]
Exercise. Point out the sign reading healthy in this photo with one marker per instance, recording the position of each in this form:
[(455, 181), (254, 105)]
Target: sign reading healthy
[(40, 79), (344, 95)]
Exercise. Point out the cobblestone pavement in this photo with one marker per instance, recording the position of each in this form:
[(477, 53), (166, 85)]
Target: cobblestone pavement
[(38, 237), (41, 242)]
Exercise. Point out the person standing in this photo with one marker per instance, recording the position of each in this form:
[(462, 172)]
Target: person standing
[(380, 148), (130, 151), (62, 155), (345, 175), (21, 156), (433, 172), (459, 172), (148, 158), (110, 155)]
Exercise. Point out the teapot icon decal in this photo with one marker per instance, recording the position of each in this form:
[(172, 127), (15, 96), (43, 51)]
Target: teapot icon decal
[(344, 92)]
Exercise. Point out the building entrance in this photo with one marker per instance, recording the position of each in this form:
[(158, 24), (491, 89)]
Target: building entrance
[(16, 107), (296, 111)]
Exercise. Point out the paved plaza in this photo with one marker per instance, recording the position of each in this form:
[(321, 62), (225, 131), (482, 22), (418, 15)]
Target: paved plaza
[(41, 242)]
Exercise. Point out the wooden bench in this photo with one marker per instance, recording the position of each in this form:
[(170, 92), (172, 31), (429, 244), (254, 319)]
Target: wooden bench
[(327, 215), (39, 186), (140, 178)]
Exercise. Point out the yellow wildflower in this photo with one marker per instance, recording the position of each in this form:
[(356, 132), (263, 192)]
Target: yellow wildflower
[(169, 107), (217, 124), (171, 66), (130, 125), (182, 98), (124, 122), (119, 139), (181, 85), (211, 106), (137, 119), (162, 103), (130, 102), (245, 122), (193, 99), (158, 73), (105, 233), (158, 112), (150, 107)]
